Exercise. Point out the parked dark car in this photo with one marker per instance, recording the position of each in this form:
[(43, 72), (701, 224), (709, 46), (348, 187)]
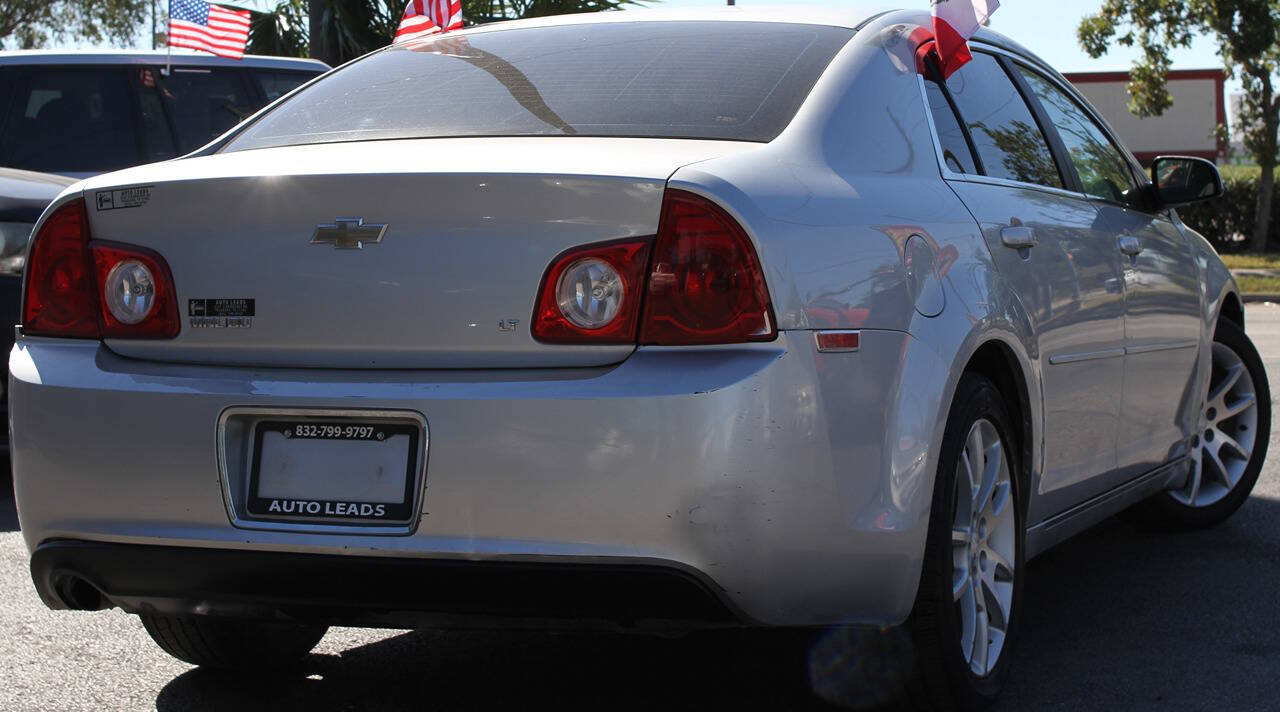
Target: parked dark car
[(78, 114), (83, 113), (23, 197)]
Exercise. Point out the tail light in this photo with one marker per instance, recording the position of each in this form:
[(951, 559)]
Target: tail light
[(61, 296), (138, 299), (592, 294), (704, 285), (91, 290)]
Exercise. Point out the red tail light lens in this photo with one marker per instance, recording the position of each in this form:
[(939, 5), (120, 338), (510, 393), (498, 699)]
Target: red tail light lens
[(591, 295), (93, 290), (61, 295), (137, 296), (706, 285)]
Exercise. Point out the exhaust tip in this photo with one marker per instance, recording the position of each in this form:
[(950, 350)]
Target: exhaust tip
[(78, 594)]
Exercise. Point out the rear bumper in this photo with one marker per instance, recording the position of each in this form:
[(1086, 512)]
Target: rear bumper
[(376, 591), (792, 484)]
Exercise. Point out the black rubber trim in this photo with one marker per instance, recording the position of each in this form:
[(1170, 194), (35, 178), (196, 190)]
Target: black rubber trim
[(386, 590)]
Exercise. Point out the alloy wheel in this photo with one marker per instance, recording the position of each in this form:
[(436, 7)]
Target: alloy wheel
[(983, 543), (1228, 430)]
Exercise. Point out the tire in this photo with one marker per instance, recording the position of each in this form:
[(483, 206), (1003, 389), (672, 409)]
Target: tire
[(949, 673), (233, 644), (1221, 478)]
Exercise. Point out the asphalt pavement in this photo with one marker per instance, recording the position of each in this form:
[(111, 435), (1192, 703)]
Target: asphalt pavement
[(1118, 618)]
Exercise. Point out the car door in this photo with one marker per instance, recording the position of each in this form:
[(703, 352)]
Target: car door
[(1044, 240), (1162, 295)]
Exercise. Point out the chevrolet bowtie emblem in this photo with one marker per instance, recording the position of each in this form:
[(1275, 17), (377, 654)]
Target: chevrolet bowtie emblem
[(349, 233)]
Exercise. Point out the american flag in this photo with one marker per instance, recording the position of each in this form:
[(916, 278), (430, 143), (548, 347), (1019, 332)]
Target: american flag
[(198, 25), (425, 17)]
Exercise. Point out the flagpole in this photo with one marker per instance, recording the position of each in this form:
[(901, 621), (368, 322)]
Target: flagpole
[(168, 44)]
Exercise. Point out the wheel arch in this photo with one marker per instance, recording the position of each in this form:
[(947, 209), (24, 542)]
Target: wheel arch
[(1232, 309), (999, 343), (996, 360)]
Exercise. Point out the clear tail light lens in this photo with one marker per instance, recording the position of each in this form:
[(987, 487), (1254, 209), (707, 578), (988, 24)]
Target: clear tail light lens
[(592, 294), (129, 292), (76, 288), (706, 285)]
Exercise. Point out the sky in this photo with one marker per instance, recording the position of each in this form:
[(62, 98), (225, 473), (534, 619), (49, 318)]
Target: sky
[(1047, 28)]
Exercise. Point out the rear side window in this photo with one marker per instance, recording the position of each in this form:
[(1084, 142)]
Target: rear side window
[(726, 80), (1005, 133), (204, 104), (1103, 170), (276, 84), (955, 147), (70, 120)]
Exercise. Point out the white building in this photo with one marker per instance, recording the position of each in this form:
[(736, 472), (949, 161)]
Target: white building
[(1187, 128)]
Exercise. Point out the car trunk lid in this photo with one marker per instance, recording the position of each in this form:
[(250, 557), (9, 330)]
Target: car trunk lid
[(389, 254)]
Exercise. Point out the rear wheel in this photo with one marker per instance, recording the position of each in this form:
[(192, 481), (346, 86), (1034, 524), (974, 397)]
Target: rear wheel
[(1230, 445), (965, 620), (233, 644)]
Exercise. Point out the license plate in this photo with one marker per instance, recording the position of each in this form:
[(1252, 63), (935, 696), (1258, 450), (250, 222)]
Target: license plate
[(355, 471)]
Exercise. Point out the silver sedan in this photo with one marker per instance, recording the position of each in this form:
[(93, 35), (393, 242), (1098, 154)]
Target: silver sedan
[(646, 320)]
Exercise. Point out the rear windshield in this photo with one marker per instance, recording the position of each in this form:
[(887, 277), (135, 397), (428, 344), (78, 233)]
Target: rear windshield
[(717, 80)]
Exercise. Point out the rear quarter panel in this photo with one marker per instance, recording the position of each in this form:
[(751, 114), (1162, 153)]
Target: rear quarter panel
[(857, 230)]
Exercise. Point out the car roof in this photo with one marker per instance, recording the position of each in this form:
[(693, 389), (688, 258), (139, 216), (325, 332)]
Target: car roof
[(179, 58), (850, 14)]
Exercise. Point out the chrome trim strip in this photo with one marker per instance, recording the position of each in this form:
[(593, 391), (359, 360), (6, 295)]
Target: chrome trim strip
[(1171, 346), (1063, 525), (397, 529), (1088, 356)]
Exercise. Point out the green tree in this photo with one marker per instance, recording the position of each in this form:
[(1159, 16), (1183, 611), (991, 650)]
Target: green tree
[(28, 24), (347, 29), (282, 32), (1248, 36)]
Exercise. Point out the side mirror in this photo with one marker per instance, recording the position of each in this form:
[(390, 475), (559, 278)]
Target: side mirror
[(1180, 180)]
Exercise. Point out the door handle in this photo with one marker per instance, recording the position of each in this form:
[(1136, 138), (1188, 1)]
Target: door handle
[(1018, 237), (1130, 245)]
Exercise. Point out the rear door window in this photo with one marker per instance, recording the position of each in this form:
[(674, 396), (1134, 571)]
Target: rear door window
[(1103, 169), (276, 84), (205, 103), (70, 120), (955, 147), (1005, 133)]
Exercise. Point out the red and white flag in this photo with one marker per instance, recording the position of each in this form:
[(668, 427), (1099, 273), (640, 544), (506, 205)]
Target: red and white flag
[(954, 22), (198, 25), (427, 17)]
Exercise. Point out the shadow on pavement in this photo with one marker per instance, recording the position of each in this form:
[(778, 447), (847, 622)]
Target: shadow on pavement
[(1118, 618), (1124, 617), (490, 670)]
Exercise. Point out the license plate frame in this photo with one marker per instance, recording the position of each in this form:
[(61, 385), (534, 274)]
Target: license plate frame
[(326, 511)]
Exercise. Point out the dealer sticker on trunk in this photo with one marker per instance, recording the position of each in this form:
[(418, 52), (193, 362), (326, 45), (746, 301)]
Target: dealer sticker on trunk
[(123, 198), (221, 313)]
